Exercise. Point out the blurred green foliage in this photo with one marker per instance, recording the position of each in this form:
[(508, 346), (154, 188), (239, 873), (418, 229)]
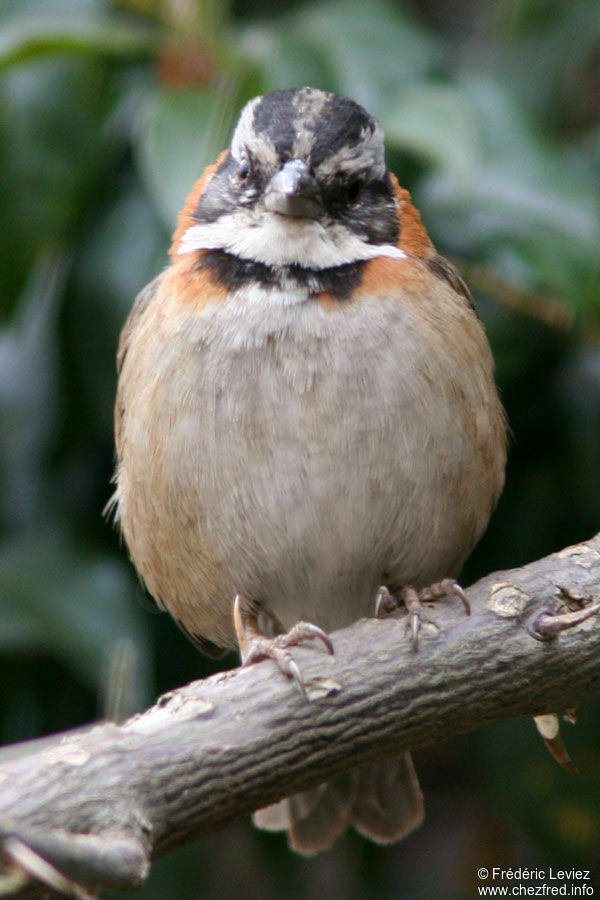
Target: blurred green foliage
[(109, 111)]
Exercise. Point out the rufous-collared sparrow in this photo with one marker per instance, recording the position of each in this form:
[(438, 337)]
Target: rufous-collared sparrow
[(306, 416)]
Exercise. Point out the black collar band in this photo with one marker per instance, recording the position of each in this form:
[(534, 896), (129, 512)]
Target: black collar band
[(233, 273)]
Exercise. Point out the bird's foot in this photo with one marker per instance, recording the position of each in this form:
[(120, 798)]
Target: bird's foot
[(255, 646), (413, 600)]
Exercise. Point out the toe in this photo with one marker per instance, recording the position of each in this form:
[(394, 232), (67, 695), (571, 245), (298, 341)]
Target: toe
[(304, 631), (385, 603)]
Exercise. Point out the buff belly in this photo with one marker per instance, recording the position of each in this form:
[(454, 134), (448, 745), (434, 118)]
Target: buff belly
[(268, 451)]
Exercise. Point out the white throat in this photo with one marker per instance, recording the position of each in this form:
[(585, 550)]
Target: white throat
[(277, 240)]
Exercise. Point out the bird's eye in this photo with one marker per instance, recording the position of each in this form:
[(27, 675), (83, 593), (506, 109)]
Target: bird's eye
[(243, 170), (353, 190)]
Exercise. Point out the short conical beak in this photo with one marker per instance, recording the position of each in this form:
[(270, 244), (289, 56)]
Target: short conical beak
[(294, 192)]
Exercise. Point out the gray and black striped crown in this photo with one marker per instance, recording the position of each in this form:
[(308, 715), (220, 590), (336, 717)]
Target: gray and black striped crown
[(333, 133)]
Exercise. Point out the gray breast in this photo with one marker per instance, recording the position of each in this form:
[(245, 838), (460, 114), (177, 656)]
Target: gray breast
[(320, 452)]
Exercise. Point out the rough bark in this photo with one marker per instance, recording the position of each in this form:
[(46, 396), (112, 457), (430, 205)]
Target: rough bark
[(99, 805)]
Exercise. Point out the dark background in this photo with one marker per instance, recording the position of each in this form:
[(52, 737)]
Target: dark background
[(108, 114)]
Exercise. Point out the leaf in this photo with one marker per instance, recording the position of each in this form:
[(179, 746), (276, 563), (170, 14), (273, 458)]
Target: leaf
[(295, 59), (365, 51), (127, 244), (57, 138), (437, 123), (523, 204), (373, 48), (28, 401), (30, 37), (65, 602), (179, 133)]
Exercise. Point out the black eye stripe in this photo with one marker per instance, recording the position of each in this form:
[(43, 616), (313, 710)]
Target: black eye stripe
[(353, 190), (371, 213), (227, 189), (343, 145)]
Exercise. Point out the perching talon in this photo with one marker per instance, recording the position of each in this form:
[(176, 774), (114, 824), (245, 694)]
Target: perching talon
[(413, 600), (255, 646)]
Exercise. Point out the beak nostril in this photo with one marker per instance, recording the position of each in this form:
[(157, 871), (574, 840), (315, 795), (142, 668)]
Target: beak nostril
[(293, 191), (294, 177)]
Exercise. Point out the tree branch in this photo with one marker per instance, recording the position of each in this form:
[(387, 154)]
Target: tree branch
[(97, 806)]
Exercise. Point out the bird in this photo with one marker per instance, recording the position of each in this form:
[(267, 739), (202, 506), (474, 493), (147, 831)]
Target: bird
[(307, 424)]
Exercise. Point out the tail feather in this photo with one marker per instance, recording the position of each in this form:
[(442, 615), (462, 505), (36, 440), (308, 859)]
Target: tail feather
[(317, 822), (382, 801), (273, 818), (315, 818), (389, 802)]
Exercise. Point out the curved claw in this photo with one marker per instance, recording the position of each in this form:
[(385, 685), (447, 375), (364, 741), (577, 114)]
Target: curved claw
[(255, 646), (262, 647), (547, 625), (295, 673), (415, 626), (315, 632), (458, 591), (548, 727), (412, 600), (445, 588), (385, 604)]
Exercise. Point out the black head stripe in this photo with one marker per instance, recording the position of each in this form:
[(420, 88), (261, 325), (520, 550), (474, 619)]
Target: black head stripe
[(294, 119), (275, 119), (341, 144), (343, 123)]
